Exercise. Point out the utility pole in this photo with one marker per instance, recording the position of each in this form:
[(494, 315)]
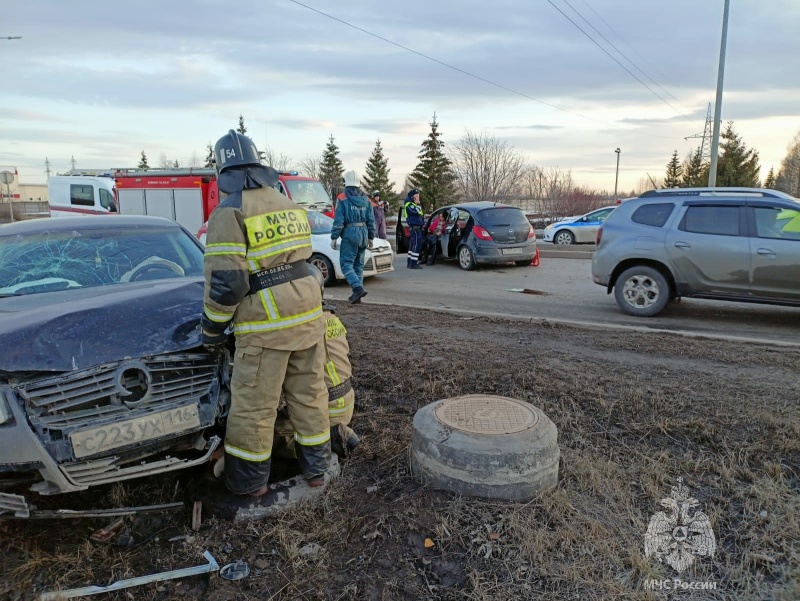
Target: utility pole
[(616, 178), (47, 167), (712, 172)]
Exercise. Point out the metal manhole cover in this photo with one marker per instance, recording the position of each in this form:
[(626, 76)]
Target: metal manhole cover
[(482, 414)]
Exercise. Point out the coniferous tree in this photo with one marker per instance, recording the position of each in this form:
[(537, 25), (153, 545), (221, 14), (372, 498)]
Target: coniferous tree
[(695, 171), (788, 177), (176, 164), (737, 165), (376, 176), (433, 175), (770, 181), (241, 129), (672, 178), (143, 163), (209, 156), (332, 169)]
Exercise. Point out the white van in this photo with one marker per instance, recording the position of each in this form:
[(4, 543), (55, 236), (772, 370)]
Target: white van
[(72, 195)]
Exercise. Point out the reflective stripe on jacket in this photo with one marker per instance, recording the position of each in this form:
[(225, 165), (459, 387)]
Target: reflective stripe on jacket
[(250, 231), (413, 213)]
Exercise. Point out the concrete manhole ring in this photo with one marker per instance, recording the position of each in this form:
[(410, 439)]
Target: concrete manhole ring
[(484, 414), (485, 446)]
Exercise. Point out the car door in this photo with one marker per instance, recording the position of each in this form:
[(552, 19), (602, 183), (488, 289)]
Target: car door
[(586, 230), (775, 251), (709, 249), (451, 234)]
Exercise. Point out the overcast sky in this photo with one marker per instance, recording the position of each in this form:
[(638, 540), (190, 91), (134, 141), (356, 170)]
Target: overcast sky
[(102, 81)]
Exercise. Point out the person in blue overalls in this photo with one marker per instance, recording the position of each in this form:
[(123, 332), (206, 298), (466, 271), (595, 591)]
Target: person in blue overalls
[(412, 211), (354, 221)]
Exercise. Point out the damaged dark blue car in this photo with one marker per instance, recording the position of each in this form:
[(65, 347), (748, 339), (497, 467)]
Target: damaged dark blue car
[(103, 376)]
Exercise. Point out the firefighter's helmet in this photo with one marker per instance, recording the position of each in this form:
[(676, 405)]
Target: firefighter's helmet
[(235, 150), (350, 179)]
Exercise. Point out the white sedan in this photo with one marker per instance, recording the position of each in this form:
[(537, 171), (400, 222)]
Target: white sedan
[(380, 259)]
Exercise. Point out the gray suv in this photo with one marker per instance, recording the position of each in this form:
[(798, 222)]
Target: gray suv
[(737, 244)]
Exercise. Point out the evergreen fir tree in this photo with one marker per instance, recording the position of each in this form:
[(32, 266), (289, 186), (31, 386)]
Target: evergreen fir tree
[(377, 177), (737, 165), (209, 156), (332, 170), (176, 164), (241, 129), (433, 175), (672, 179), (143, 163), (695, 171), (770, 181)]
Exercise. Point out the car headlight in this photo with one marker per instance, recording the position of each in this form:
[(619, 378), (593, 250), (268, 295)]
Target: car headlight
[(5, 410), (549, 227)]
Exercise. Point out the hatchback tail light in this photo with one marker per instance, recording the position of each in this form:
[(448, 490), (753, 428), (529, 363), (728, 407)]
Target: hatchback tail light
[(532, 233), (481, 233), (599, 236)]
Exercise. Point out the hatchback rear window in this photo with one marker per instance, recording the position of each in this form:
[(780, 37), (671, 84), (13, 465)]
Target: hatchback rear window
[(503, 216), (655, 215)]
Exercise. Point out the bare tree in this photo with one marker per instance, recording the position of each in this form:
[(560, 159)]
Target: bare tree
[(310, 166), (788, 178), (648, 183), (486, 168), (163, 161), (281, 162), (194, 160)]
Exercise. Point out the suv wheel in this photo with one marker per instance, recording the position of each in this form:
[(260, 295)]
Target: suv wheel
[(564, 237), (641, 291)]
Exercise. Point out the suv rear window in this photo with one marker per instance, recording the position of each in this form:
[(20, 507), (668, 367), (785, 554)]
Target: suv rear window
[(719, 220), (510, 216), (655, 214)]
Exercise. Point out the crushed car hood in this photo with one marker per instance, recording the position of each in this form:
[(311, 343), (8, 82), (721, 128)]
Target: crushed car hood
[(78, 328)]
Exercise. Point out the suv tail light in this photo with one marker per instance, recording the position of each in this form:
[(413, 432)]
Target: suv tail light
[(532, 234), (481, 232), (599, 236)]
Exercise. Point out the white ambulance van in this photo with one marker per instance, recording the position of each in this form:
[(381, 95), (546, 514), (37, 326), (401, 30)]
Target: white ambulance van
[(72, 195)]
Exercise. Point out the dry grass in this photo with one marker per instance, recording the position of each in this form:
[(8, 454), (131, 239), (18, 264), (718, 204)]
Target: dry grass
[(634, 412)]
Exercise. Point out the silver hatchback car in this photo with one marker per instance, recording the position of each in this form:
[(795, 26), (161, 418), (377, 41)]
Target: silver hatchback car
[(737, 244)]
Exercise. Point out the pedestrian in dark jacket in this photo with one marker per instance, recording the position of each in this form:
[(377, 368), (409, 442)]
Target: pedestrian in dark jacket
[(415, 218), (380, 218), (354, 221)]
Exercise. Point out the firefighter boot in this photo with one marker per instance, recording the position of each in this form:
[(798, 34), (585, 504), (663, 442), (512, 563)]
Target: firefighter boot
[(343, 440)]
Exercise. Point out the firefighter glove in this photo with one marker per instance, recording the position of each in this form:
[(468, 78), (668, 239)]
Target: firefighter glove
[(214, 342), (334, 244)]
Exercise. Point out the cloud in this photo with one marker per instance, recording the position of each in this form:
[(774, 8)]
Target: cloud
[(537, 127)]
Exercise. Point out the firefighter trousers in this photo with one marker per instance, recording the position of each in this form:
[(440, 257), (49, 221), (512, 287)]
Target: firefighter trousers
[(340, 411), (259, 376)]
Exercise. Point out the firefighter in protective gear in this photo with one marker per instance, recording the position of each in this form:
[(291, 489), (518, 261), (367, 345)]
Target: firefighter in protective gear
[(412, 212), (341, 397), (259, 283), (354, 221)]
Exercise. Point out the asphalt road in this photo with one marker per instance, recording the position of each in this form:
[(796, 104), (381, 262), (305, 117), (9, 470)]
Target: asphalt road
[(562, 289)]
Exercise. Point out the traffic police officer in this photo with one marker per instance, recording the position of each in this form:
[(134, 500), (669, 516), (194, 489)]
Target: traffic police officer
[(258, 282), (412, 212)]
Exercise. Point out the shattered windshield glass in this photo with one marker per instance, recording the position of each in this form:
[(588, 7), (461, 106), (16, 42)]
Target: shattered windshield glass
[(52, 261)]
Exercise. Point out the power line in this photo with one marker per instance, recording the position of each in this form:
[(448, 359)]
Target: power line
[(635, 66), (611, 56), (444, 64)]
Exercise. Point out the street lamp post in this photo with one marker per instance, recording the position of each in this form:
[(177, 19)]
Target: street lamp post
[(616, 178)]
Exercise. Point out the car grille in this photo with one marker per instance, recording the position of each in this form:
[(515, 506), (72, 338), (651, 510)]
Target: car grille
[(71, 400), (369, 264)]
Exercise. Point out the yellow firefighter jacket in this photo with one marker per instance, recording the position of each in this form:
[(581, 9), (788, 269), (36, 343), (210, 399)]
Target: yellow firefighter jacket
[(250, 231)]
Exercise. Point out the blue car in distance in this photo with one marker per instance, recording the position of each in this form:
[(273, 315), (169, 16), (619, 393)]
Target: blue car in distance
[(577, 230)]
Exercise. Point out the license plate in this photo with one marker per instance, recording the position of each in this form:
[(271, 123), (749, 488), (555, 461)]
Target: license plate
[(512, 251), (383, 261), (140, 429)]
